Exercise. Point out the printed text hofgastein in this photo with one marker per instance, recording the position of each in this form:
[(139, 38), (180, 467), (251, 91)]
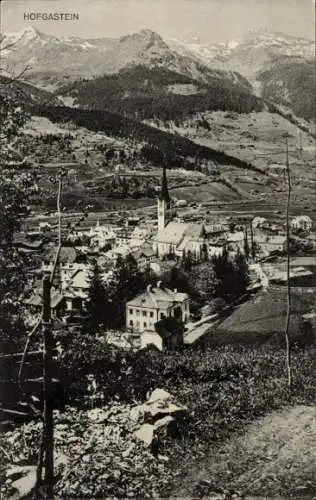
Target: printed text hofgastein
[(51, 16)]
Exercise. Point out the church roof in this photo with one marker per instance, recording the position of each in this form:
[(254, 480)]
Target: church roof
[(172, 233), (175, 232)]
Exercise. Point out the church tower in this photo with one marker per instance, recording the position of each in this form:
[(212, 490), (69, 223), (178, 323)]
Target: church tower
[(164, 209)]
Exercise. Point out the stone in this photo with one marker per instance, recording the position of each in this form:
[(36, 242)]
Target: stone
[(26, 479), (146, 434), (97, 415), (164, 422), (157, 411), (159, 395)]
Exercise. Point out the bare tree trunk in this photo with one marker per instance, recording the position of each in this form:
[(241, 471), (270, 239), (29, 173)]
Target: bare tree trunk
[(288, 312), (48, 400)]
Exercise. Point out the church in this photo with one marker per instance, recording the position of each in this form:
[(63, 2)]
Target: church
[(175, 237)]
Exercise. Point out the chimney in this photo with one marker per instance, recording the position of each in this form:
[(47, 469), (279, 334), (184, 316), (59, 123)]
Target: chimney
[(159, 284)]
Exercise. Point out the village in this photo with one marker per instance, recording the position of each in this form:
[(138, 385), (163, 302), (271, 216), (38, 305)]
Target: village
[(172, 236)]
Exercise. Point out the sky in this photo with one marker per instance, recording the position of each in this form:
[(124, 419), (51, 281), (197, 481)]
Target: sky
[(204, 21)]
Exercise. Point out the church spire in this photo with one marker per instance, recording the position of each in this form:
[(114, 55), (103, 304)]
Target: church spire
[(164, 193)]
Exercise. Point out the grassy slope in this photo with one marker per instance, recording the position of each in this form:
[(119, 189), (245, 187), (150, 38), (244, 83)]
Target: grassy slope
[(274, 457), (116, 125), (258, 139), (263, 317)]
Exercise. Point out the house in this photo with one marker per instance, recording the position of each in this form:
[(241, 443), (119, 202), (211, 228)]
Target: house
[(102, 236), (120, 251), (215, 247), (302, 222), (123, 236), (156, 303), (138, 236), (144, 256), (34, 304), (235, 241)]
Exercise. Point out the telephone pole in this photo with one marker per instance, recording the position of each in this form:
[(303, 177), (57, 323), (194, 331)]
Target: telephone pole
[(288, 313), (47, 389)]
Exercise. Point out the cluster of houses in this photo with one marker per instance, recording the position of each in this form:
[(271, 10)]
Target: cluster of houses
[(148, 243)]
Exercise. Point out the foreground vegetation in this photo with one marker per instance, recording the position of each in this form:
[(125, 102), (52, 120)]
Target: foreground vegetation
[(224, 389)]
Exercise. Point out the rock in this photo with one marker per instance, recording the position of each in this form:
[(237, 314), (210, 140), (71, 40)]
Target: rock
[(97, 415), (26, 478), (158, 406), (146, 434), (159, 395), (165, 426)]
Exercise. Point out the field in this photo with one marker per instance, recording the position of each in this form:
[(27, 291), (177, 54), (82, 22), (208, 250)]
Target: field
[(258, 138), (94, 159), (262, 318)]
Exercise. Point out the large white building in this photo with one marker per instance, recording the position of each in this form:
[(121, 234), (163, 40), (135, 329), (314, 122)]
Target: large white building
[(154, 304)]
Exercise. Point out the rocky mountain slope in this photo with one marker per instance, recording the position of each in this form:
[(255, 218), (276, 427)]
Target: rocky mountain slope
[(280, 67), (277, 66), (73, 58), (251, 54)]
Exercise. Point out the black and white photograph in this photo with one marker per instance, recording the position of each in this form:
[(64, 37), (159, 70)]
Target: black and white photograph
[(157, 249)]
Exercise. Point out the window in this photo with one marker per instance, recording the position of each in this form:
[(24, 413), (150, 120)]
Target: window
[(137, 312), (145, 324), (161, 315), (144, 313), (151, 314), (131, 311), (131, 323)]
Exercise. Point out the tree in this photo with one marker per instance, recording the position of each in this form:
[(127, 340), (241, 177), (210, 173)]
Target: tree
[(203, 282), (231, 274), (16, 190), (127, 282), (97, 303), (241, 276)]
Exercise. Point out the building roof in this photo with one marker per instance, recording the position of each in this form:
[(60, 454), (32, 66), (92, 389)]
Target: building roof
[(37, 299), (174, 232), (157, 298), (81, 279), (143, 251)]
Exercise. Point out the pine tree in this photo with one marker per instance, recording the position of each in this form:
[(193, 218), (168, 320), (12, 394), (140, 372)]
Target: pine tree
[(97, 303)]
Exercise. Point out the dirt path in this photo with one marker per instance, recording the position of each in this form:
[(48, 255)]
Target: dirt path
[(274, 459)]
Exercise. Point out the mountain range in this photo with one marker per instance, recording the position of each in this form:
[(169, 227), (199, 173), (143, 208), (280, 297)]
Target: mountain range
[(136, 70)]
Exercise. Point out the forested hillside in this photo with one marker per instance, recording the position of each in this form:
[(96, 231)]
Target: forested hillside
[(146, 93)]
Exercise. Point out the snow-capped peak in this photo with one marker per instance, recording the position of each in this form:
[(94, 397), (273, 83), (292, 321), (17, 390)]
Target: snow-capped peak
[(27, 34)]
